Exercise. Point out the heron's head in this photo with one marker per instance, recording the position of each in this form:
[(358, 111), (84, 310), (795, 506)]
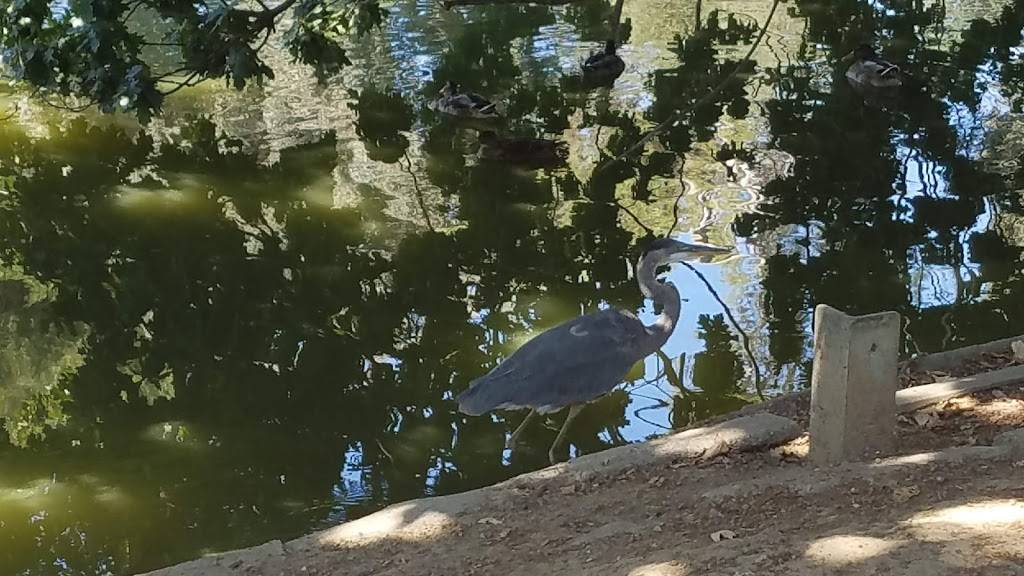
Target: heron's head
[(448, 89), (667, 250), (862, 52)]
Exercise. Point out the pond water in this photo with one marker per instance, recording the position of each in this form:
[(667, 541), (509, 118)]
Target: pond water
[(248, 319)]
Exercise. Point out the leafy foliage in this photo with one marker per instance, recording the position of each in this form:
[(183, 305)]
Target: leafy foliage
[(37, 352), (93, 50), (154, 382)]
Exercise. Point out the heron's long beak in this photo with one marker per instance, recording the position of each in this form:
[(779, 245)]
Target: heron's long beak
[(707, 248), (690, 251)]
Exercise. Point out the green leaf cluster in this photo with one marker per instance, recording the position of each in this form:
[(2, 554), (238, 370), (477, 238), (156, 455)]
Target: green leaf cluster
[(94, 52), (37, 353)]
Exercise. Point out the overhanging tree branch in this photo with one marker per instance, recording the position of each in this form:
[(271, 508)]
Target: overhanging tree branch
[(266, 16), (102, 58), (135, 6), (191, 80), (161, 77)]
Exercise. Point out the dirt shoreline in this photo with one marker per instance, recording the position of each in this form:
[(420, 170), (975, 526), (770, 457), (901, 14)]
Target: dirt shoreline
[(694, 502)]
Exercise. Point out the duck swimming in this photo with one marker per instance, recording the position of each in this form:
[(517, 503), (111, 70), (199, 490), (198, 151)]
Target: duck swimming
[(605, 65), (464, 104), (868, 69)]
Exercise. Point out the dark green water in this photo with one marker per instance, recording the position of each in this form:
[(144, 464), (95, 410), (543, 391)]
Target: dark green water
[(248, 320)]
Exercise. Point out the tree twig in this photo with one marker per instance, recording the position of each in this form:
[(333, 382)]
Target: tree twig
[(132, 11), (675, 205), (185, 84), (67, 107), (636, 219), (736, 325), (171, 73), (638, 411), (266, 16), (266, 39), (419, 193)]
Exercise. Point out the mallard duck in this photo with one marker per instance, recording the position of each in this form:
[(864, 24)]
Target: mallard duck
[(531, 152), (605, 64), (868, 69), (464, 104)]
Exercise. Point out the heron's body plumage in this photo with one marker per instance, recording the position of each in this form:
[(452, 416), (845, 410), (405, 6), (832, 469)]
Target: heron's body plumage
[(571, 363)]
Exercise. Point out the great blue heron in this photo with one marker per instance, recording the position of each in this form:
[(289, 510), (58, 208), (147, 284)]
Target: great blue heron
[(586, 357)]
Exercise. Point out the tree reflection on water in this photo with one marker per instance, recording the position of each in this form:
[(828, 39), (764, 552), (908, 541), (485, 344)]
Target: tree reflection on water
[(257, 339)]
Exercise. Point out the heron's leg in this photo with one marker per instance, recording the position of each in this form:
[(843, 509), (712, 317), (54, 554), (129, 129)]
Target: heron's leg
[(511, 443), (573, 411)]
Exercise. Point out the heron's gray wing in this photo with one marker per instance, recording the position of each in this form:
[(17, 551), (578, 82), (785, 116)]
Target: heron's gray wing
[(571, 363)]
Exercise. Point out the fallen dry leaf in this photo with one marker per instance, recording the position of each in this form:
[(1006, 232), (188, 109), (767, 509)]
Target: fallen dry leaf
[(1018, 351), (998, 394), (903, 493), (926, 419), (489, 520), (722, 535), (570, 489)]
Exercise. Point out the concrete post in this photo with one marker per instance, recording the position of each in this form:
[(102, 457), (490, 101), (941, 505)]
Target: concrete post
[(853, 385)]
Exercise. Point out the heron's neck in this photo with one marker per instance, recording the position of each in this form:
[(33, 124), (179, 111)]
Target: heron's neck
[(666, 299)]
